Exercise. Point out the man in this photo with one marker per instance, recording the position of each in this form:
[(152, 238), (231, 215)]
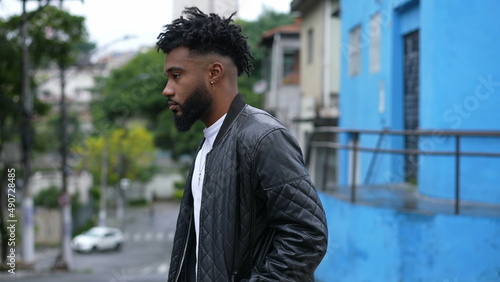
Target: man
[(249, 211)]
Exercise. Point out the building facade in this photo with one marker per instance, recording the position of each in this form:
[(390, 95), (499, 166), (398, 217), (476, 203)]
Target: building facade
[(407, 66), (320, 60), (282, 74), (417, 196), (319, 79)]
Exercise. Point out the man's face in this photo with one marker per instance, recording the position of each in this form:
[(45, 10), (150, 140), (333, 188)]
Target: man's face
[(196, 104), (188, 97)]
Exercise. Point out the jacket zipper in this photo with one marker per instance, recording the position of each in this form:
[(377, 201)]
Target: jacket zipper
[(185, 250)]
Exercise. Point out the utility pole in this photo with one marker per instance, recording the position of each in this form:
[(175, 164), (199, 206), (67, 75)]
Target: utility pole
[(104, 182), (65, 260), (28, 246)]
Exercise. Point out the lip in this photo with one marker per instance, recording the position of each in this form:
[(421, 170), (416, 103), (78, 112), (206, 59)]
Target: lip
[(173, 105)]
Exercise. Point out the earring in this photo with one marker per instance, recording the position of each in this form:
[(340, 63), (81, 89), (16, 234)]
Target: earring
[(211, 82)]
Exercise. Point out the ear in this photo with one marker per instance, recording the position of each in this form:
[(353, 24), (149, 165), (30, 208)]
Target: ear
[(215, 72)]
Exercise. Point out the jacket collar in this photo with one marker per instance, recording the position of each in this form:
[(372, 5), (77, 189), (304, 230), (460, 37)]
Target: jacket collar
[(236, 106)]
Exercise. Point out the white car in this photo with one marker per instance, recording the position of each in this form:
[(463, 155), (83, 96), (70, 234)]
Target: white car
[(98, 239)]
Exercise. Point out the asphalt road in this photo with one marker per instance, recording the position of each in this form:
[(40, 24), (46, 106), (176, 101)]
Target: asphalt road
[(145, 255)]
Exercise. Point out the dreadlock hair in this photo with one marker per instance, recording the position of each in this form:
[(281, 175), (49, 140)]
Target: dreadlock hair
[(206, 34)]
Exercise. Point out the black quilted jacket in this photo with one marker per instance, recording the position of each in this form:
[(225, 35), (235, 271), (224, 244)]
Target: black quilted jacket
[(261, 218)]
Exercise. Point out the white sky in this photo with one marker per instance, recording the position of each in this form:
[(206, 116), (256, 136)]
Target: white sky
[(109, 20)]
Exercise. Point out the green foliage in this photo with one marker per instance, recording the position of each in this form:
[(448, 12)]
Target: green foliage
[(89, 224), (179, 185), (10, 85), (54, 36), (130, 154), (95, 194), (10, 81), (48, 197), (50, 127), (178, 194), (179, 189), (141, 202), (76, 205), (132, 91)]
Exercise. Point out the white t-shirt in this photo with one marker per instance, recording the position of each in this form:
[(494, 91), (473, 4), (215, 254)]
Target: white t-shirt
[(199, 175)]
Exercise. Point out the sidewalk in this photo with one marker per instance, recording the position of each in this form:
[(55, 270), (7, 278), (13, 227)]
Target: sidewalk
[(46, 256), (41, 266)]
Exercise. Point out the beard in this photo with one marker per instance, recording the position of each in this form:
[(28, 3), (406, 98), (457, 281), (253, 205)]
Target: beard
[(193, 109)]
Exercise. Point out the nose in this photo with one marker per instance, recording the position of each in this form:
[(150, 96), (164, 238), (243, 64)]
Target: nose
[(167, 91)]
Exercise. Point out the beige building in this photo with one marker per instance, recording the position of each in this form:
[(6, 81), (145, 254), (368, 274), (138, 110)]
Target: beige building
[(319, 82), (282, 74), (320, 59)]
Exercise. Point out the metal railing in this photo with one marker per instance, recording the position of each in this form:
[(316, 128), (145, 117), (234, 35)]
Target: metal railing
[(355, 148)]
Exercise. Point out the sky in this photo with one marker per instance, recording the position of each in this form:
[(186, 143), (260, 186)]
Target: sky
[(109, 21)]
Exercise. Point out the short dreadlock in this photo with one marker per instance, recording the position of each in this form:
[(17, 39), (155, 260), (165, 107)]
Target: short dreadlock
[(206, 34)]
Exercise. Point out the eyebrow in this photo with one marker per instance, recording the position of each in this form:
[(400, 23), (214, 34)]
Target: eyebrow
[(172, 69)]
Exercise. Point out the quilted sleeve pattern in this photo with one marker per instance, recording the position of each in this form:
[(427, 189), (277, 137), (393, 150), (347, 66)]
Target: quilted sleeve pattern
[(294, 211)]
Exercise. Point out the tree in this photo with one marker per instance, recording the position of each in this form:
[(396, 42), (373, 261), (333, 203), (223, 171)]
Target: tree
[(131, 154), (52, 34)]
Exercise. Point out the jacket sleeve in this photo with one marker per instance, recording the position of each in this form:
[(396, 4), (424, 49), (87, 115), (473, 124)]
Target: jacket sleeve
[(294, 211)]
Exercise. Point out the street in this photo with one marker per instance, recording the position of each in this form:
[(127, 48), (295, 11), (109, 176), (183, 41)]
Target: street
[(145, 255)]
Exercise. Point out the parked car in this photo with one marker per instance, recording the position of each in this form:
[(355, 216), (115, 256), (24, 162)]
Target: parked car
[(98, 239)]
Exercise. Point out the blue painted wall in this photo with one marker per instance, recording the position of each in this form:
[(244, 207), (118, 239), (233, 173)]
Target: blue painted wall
[(459, 90), (360, 94), (374, 244)]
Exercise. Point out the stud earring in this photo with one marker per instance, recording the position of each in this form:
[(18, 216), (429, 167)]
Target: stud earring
[(211, 82)]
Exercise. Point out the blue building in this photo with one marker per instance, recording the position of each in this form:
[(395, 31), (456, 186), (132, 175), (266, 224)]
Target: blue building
[(417, 192)]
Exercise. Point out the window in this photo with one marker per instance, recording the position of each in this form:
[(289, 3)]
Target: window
[(354, 51), (375, 31), (290, 66), (310, 45)]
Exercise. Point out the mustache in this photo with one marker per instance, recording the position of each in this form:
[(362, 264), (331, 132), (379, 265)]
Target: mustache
[(172, 101)]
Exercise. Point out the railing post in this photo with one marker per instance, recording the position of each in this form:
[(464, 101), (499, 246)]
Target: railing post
[(355, 138), (457, 174), (325, 170)]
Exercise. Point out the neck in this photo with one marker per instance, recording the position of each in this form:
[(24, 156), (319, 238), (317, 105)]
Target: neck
[(220, 106)]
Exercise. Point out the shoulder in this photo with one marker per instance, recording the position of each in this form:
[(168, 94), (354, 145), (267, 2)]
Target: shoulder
[(257, 128), (257, 122)]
